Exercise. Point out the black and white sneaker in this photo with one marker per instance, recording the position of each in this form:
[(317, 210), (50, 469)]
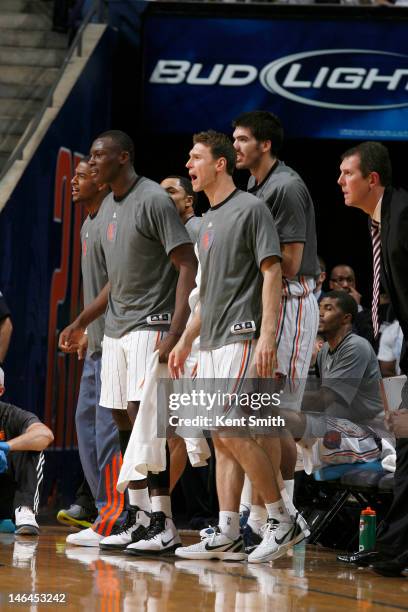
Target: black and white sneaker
[(136, 521), (160, 538), (214, 545), (278, 537)]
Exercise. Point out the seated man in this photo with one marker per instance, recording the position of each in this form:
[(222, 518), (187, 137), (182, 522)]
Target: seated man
[(343, 419), (22, 439)]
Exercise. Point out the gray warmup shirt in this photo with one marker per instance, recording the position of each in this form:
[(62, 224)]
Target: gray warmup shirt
[(352, 372), (138, 232), (235, 237), (94, 275), (193, 227), (291, 205)]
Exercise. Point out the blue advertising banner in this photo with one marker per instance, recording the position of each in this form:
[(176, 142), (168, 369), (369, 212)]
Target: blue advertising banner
[(323, 78)]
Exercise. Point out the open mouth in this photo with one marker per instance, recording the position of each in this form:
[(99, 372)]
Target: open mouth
[(193, 177)]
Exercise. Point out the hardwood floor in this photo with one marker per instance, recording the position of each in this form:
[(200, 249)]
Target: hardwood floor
[(89, 580)]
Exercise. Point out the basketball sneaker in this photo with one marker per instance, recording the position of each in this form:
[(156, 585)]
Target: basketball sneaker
[(25, 522), (86, 537), (278, 537), (77, 516), (214, 545), (136, 521), (160, 538)]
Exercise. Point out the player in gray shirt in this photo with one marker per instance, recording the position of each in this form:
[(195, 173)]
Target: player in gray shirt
[(98, 440), (181, 192), (349, 377), (236, 319), (151, 270), (258, 137)]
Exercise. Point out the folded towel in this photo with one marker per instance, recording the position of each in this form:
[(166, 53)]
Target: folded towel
[(145, 451)]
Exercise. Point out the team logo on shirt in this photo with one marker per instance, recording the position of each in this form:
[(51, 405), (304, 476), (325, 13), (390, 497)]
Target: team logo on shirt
[(84, 248), (111, 231), (332, 439), (207, 239)]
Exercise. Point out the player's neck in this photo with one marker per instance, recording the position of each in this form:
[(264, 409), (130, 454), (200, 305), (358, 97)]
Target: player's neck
[(124, 182), (219, 190), (263, 167), (93, 207), (187, 216), (338, 336)]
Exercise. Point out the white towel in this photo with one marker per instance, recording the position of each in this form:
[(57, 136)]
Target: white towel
[(145, 451)]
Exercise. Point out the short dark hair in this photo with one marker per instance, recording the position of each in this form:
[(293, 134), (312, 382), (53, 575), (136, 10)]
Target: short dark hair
[(374, 157), (264, 126), (220, 146), (122, 140), (185, 183), (346, 303)]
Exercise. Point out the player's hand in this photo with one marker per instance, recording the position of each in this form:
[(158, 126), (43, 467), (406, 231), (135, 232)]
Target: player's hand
[(355, 295), (398, 421), (82, 347), (165, 347), (70, 337), (177, 358), (265, 356), (3, 462)]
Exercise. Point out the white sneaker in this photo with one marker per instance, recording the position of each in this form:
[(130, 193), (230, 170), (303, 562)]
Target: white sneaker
[(121, 536), (278, 537), (25, 522), (215, 545), (87, 537), (160, 538)]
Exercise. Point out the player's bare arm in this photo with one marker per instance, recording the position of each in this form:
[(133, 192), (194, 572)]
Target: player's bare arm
[(181, 351), (184, 260), (71, 336), (6, 329), (266, 350), (292, 253), (36, 438)]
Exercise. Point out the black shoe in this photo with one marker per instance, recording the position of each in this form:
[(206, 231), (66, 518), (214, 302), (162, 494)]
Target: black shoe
[(251, 539), (76, 516), (392, 568), (362, 559), (121, 535)]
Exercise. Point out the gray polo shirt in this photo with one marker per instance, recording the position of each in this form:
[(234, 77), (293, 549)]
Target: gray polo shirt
[(235, 237), (193, 227), (94, 275), (352, 372), (138, 232), (292, 208)]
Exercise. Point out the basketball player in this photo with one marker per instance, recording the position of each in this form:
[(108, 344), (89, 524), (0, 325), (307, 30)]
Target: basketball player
[(181, 192), (151, 269), (236, 319), (98, 440), (258, 137)]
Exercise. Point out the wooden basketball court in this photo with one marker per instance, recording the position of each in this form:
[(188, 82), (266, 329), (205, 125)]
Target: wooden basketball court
[(86, 579)]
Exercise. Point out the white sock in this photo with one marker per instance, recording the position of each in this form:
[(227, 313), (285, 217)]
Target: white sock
[(162, 503), (278, 511), (229, 524), (257, 517), (292, 511), (290, 487), (246, 496), (140, 498)]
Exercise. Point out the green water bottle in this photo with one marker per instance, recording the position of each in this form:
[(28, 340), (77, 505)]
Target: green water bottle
[(368, 520)]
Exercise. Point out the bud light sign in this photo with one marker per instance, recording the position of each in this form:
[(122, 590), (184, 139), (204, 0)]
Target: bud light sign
[(324, 79)]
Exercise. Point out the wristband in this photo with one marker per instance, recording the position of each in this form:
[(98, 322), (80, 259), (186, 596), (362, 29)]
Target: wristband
[(4, 447)]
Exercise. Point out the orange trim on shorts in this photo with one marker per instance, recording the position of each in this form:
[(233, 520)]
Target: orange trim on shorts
[(296, 355), (243, 364)]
